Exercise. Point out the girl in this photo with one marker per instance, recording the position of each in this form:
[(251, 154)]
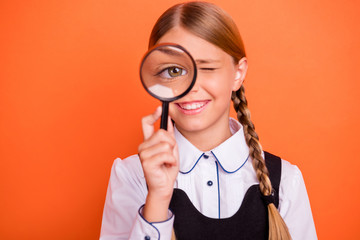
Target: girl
[(207, 176)]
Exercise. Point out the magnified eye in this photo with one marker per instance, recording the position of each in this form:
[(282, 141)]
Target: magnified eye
[(172, 72)]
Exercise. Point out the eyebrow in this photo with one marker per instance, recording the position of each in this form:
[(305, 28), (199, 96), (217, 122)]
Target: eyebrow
[(204, 61), (171, 52)]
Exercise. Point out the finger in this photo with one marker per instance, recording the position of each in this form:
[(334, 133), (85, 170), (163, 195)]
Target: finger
[(170, 126), (158, 160), (176, 153), (160, 136), (171, 131), (148, 123), (176, 164), (154, 150)]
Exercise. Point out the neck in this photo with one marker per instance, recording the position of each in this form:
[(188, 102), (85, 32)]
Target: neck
[(208, 139)]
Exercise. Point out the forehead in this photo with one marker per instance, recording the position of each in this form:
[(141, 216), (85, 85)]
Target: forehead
[(197, 47)]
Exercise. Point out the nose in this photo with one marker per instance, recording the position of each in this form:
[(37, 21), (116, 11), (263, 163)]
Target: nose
[(196, 86)]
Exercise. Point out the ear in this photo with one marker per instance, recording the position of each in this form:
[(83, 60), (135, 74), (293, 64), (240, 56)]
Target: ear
[(241, 69)]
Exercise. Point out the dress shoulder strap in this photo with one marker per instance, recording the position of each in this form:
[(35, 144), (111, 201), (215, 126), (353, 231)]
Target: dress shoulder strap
[(273, 164)]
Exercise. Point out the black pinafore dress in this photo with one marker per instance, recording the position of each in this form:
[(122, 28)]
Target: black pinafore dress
[(249, 222)]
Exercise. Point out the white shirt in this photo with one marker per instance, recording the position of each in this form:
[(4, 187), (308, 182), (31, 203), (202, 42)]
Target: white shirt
[(215, 181)]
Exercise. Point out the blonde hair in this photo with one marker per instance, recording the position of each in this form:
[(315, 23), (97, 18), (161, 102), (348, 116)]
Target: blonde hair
[(214, 25)]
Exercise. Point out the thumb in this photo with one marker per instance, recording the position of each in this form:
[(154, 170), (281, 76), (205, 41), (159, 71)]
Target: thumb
[(148, 123), (170, 126)]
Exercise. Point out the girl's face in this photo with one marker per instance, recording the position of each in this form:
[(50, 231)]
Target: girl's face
[(207, 105)]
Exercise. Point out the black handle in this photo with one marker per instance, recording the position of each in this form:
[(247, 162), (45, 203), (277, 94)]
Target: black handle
[(164, 115)]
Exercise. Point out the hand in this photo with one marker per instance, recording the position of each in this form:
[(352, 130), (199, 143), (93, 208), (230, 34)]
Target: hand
[(159, 158)]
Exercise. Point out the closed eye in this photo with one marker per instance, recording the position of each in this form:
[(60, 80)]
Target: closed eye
[(208, 69)]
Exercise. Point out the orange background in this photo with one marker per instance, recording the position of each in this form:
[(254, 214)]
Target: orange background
[(71, 102)]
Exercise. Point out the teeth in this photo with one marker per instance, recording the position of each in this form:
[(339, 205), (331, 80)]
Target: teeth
[(192, 106)]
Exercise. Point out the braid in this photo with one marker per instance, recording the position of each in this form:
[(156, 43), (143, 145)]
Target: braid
[(277, 227), (252, 140)]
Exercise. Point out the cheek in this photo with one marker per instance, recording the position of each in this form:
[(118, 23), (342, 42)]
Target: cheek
[(221, 84), (172, 109)]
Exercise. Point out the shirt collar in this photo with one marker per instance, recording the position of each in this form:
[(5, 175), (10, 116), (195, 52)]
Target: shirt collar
[(231, 155)]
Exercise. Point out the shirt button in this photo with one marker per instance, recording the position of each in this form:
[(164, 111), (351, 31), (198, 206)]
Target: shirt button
[(206, 156), (210, 183), (147, 238)]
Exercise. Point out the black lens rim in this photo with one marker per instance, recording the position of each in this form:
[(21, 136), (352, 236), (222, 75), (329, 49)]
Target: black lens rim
[(192, 82)]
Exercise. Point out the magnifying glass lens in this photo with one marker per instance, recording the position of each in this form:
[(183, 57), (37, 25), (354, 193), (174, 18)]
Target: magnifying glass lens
[(167, 72)]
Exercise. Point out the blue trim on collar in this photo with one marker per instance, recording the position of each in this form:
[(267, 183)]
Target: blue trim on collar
[(218, 183), (192, 166), (224, 168)]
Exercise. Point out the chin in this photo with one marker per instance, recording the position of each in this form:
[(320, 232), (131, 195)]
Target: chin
[(190, 125)]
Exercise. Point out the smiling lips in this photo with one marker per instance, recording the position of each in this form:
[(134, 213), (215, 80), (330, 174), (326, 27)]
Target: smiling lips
[(191, 108)]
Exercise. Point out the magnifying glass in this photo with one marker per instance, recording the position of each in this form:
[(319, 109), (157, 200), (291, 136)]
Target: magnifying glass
[(167, 72)]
